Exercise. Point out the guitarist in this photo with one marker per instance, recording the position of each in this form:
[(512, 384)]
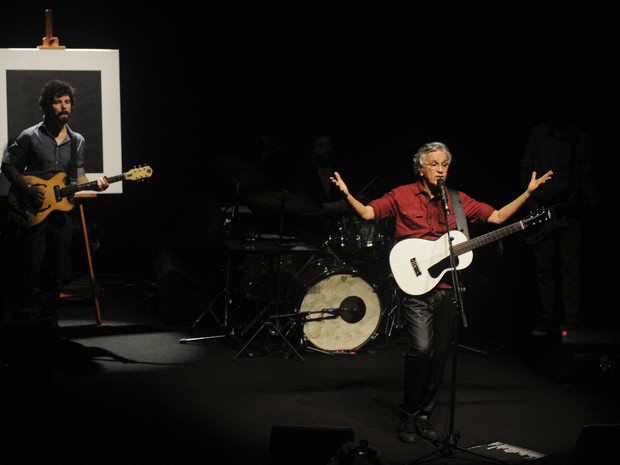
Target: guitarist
[(558, 144), (44, 150), (418, 212)]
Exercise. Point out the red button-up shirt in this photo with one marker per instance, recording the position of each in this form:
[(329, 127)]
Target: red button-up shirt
[(417, 215)]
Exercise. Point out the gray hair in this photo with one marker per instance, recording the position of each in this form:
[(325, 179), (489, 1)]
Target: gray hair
[(420, 156)]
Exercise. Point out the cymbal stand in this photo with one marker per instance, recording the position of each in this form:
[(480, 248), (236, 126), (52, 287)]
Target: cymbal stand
[(266, 323), (223, 323), (230, 230)]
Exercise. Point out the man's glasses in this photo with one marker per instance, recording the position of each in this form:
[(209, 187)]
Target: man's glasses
[(434, 165)]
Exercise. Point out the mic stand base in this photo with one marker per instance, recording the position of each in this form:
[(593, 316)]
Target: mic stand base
[(447, 448)]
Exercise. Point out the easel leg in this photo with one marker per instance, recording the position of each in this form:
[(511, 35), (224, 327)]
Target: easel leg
[(91, 271)]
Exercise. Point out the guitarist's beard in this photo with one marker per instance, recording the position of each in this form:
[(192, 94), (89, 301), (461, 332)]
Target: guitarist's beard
[(54, 122)]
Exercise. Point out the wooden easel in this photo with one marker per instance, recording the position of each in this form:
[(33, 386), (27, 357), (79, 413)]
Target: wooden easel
[(52, 43), (91, 272), (49, 41)]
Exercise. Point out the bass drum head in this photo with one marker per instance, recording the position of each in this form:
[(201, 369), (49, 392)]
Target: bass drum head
[(344, 311)]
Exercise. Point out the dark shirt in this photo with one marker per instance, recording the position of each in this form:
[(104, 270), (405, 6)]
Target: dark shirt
[(36, 153), (567, 154)]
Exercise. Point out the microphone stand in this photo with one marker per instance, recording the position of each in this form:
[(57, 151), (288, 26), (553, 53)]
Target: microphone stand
[(450, 443)]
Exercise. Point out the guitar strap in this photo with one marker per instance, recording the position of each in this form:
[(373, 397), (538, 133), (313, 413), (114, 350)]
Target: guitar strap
[(459, 213), (73, 162)]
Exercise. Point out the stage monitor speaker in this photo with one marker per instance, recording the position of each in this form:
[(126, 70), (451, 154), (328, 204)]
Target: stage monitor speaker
[(306, 445), (589, 354), (598, 444), (183, 291)]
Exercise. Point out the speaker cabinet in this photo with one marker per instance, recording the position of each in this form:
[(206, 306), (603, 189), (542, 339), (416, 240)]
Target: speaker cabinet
[(589, 354), (306, 445), (597, 445)]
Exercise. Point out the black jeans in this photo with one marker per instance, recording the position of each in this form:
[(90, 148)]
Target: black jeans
[(430, 322), (42, 252)]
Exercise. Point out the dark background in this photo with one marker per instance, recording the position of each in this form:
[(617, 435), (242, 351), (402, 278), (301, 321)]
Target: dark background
[(201, 81)]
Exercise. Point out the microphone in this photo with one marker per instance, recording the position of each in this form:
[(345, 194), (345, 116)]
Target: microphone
[(444, 198), (333, 310), (341, 309)]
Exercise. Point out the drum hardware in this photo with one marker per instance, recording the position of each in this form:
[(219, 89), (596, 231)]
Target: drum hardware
[(223, 322), (271, 327), (229, 225), (270, 316)]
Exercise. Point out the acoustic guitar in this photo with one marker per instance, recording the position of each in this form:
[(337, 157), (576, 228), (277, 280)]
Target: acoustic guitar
[(419, 264)]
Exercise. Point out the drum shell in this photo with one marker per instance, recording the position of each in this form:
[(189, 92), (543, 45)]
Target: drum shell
[(340, 309), (355, 238)]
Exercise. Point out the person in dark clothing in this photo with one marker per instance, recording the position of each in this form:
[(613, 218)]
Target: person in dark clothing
[(42, 227)]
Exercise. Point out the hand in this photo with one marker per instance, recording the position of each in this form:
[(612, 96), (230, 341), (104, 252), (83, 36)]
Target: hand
[(536, 182), (103, 183), (36, 194), (337, 180)]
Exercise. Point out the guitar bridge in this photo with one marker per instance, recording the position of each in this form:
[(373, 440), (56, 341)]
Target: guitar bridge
[(416, 268)]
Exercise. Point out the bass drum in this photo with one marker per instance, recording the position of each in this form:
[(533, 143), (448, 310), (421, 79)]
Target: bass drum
[(341, 310)]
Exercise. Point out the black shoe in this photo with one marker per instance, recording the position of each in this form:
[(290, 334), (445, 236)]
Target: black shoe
[(407, 432), (425, 429), (543, 328)]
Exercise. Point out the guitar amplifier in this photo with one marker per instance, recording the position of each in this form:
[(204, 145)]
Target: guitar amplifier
[(589, 354)]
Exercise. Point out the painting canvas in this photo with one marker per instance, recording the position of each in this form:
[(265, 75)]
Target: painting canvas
[(96, 115)]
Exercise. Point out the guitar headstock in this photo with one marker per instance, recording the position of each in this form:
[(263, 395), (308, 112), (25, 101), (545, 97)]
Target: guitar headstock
[(537, 217), (138, 173)]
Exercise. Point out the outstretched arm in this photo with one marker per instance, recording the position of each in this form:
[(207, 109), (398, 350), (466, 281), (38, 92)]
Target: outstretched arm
[(501, 215), (364, 211)]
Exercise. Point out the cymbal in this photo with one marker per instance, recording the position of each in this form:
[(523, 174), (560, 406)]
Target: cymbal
[(286, 201), (233, 168)]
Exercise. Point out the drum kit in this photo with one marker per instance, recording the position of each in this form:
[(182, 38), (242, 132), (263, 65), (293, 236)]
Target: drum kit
[(330, 297)]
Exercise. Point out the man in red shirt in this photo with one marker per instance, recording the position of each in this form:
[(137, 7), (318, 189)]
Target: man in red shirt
[(419, 212)]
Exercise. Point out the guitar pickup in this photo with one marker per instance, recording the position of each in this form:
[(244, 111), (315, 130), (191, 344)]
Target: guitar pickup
[(57, 193), (416, 268)]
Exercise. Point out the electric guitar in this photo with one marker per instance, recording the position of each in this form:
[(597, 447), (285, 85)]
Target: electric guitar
[(57, 193), (419, 264)]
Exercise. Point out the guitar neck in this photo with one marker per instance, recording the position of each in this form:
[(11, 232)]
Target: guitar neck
[(487, 238), (71, 189)]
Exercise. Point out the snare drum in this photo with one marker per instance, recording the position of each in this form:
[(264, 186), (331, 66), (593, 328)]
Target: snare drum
[(341, 309)]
